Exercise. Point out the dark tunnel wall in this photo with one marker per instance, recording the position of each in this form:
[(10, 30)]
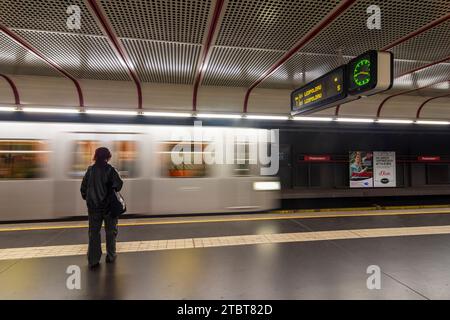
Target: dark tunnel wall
[(296, 173)]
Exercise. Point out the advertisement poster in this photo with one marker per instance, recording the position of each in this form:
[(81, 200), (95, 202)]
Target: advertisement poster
[(361, 169), (384, 169)]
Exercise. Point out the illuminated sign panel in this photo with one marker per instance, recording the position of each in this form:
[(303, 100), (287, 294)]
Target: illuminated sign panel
[(370, 73), (365, 75), (320, 92)]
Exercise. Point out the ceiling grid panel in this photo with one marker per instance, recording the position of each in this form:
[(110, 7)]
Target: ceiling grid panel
[(46, 15), (84, 56), (350, 34), (164, 43), (15, 59), (163, 62), (22, 42), (175, 21), (104, 24), (301, 43)]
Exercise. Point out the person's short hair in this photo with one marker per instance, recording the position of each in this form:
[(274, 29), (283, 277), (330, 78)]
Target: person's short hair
[(102, 155)]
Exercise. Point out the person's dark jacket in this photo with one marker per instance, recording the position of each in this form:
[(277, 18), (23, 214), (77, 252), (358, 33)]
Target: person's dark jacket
[(98, 184)]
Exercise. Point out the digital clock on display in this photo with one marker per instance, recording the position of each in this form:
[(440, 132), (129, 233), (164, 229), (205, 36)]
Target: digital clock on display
[(361, 72)]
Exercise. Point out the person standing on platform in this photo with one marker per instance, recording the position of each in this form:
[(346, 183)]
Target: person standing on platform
[(99, 182)]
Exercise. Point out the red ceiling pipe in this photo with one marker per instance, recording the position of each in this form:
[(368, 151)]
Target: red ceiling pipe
[(415, 33), (329, 18), (424, 67), (206, 51), (428, 100), (336, 112), (13, 87), (414, 70), (402, 93), (119, 50), (16, 38)]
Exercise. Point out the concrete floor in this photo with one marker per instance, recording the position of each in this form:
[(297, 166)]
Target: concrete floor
[(413, 267)]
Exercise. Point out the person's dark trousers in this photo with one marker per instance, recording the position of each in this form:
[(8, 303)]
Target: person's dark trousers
[(96, 219)]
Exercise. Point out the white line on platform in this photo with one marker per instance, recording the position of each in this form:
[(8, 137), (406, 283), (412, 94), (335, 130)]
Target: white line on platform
[(190, 243)]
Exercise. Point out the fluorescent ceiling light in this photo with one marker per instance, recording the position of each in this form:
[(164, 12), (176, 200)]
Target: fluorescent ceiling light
[(432, 122), (355, 120), (263, 117), (50, 110), (266, 185), (113, 112), (300, 118), (219, 116), (396, 121), (167, 114), (7, 109)]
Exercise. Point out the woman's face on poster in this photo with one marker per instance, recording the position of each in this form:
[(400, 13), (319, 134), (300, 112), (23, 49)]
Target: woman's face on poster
[(358, 158)]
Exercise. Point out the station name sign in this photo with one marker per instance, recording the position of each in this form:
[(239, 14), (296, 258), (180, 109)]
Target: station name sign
[(367, 74)]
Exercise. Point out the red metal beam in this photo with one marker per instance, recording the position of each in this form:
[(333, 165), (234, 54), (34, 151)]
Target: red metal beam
[(117, 45), (13, 87), (329, 18), (19, 40), (423, 67), (428, 100), (415, 33), (206, 53), (404, 92), (336, 111), (408, 72)]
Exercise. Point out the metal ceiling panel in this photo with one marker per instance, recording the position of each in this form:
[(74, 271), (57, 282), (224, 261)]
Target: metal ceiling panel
[(238, 67), (302, 68), (14, 59), (164, 20), (83, 56), (270, 24), (433, 74), (48, 15), (163, 62), (350, 33), (431, 45)]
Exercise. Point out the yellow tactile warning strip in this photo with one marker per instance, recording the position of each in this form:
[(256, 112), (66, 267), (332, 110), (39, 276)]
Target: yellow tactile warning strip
[(190, 243), (307, 214)]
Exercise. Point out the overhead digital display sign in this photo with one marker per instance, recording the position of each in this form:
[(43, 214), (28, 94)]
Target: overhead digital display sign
[(365, 75), (320, 92)]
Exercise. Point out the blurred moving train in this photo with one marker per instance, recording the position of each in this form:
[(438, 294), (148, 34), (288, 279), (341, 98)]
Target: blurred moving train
[(42, 164)]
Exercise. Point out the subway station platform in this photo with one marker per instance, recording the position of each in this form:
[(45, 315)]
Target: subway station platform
[(292, 255)]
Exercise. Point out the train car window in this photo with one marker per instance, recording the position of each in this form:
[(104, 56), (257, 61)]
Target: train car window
[(189, 166), (243, 164), (23, 159), (124, 158), (83, 151)]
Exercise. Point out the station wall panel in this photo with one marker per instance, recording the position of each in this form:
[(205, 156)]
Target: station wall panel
[(437, 109), (6, 93), (109, 94), (42, 90), (166, 96)]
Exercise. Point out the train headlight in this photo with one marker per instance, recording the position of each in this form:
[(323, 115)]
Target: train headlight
[(266, 185)]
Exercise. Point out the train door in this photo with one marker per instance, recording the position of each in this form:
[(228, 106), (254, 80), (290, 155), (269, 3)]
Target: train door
[(128, 151), (25, 173), (75, 156)]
